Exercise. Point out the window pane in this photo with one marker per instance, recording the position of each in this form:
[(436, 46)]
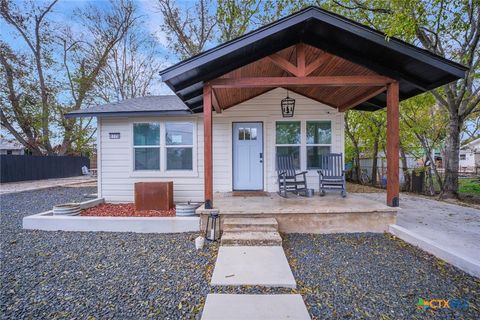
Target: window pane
[(146, 134), (294, 151), (313, 156), (247, 133), (319, 132), (288, 132), (253, 135), (147, 158), (241, 134), (179, 133), (179, 158)]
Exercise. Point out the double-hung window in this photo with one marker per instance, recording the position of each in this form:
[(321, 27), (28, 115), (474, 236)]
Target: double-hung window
[(304, 140), (179, 145), (319, 140), (163, 146), (288, 140), (146, 145)]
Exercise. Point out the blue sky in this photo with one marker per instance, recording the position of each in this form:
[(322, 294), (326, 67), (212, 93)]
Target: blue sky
[(63, 12)]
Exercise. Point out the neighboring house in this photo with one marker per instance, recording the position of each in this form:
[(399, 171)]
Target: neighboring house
[(367, 164), (222, 130), (469, 158), (11, 147)]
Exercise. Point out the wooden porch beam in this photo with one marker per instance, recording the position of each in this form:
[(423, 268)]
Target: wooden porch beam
[(284, 64), (393, 142), (268, 82), (215, 103), (301, 60), (360, 99), (208, 155)]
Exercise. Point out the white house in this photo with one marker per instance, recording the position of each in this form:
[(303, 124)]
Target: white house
[(469, 157), (224, 127), (12, 147)]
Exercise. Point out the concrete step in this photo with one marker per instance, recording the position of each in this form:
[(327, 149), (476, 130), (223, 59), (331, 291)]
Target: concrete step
[(250, 224), (251, 238), (255, 307)]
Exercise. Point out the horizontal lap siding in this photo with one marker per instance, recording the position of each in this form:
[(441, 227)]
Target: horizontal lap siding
[(266, 109), (116, 175)]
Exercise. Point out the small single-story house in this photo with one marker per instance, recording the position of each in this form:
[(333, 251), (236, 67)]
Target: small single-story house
[(224, 126), (469, 157), (12, 147)]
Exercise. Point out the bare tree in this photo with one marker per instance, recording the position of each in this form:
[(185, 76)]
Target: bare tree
[(57, 58), (188, 31), (35, 32), (131, 69)]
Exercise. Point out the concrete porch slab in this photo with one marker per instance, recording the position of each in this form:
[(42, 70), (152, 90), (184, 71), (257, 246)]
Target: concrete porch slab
[(254, 306), (328, 214), (254, 266)]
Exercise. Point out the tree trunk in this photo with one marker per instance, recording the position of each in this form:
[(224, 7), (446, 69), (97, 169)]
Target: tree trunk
[(373, 181), (406, 174), (450, 185)]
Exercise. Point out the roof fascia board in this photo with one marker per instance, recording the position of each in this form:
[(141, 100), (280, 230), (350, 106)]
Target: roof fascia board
[(127, 113), (393, 43)]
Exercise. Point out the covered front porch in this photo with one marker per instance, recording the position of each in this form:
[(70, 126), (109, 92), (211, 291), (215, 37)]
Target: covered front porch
[(338, 64), (297, 214)]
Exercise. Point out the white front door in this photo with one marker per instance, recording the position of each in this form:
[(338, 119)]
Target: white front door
[(247, 156)]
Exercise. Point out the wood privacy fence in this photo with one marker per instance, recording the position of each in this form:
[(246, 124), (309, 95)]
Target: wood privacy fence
[(26, 167)]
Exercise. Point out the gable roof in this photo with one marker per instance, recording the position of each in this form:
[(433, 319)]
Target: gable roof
[(141, 106), (416, 69)]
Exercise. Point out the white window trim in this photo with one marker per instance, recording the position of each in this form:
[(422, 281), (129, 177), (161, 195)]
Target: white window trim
[(299, 145), (163, 172), (303, 140)]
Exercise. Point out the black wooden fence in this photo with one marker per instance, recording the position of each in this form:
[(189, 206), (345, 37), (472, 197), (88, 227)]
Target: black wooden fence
[(26, 167)]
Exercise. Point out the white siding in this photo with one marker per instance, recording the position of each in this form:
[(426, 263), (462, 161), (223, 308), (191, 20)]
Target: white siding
[(117, 175)]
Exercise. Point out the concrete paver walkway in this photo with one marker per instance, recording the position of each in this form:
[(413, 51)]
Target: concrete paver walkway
[(256, 266), (20, 186), (255, 307)]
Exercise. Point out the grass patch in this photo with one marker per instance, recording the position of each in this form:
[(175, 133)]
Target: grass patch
[(469, 186)]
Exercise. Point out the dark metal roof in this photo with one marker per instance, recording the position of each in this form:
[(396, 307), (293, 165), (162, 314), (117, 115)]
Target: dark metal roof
[(142, 106), (416, 69)]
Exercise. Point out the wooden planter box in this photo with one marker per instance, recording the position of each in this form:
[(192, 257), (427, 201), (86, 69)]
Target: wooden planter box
[(154, 196)]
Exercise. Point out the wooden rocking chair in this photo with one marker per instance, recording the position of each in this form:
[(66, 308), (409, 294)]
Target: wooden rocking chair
[(288, 179), (332, 174)]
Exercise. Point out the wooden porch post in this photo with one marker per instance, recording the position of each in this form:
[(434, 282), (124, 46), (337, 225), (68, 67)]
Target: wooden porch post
[(207, 138), (393, 141)]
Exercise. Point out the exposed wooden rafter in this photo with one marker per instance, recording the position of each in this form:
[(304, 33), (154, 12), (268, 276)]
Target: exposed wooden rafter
[(361, 98), (283, 63), (317, 63), (301, 69), (301, 61), (215, 103)]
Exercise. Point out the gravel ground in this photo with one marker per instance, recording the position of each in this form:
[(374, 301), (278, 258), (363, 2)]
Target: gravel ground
[(131, 276), (374, 276), (67, 275)]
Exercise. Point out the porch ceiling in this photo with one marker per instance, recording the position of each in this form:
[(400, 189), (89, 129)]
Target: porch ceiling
[(331, 65)]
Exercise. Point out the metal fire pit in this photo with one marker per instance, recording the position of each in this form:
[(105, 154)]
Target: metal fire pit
[(186, 209), (66, 209)]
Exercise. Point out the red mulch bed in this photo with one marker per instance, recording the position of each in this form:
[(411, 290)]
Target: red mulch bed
[(124, 210)]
